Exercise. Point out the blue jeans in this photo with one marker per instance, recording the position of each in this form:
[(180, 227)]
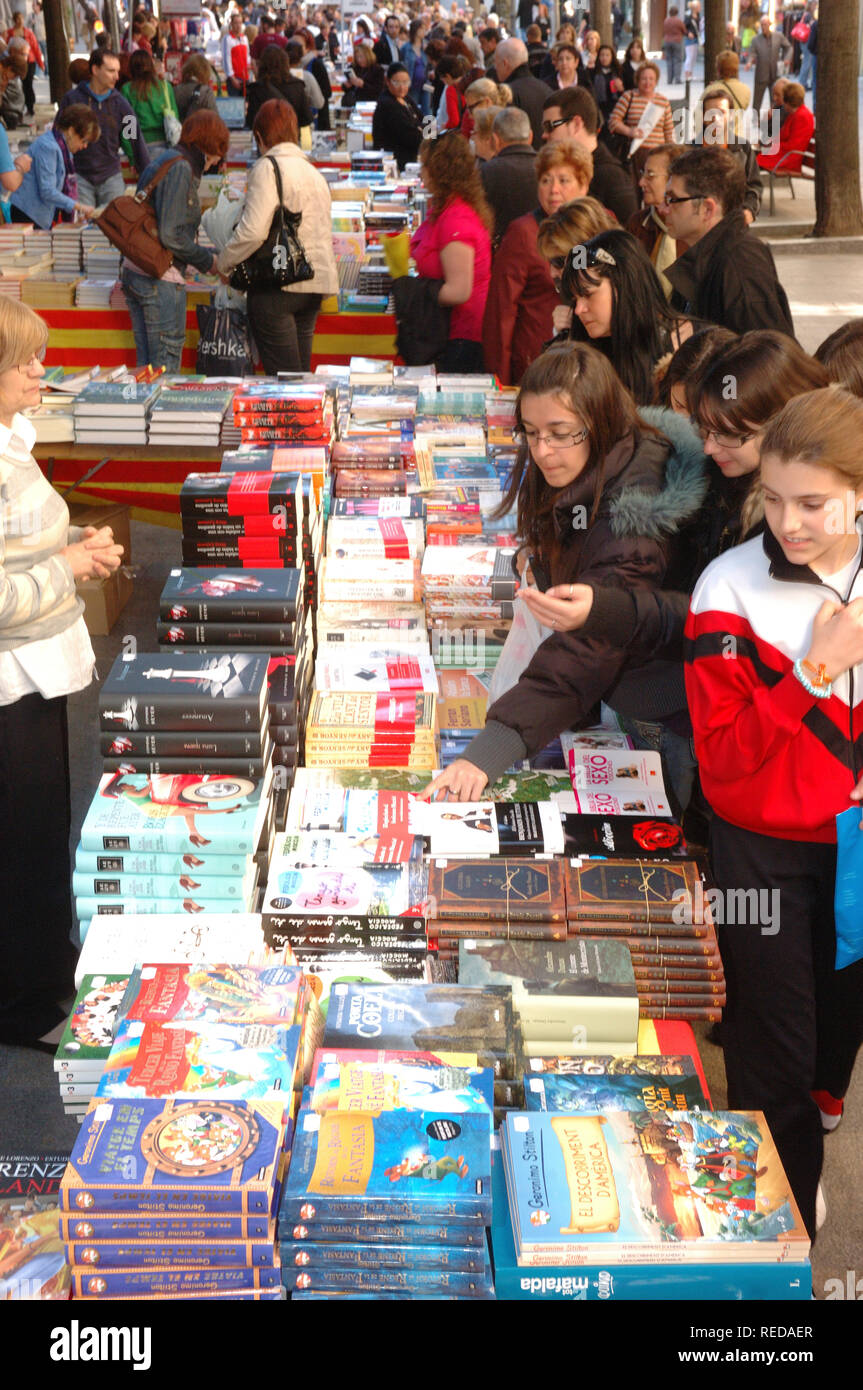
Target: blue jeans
[(807, 70), (158, 313), (676, 751), (98, 194), (673, 54)]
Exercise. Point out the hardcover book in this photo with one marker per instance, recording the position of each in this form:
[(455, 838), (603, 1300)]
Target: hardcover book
[(406, 1085), (89, 1032), (503, 889), (631, 890), (623, 837), (668, 1186), (597, 1089), (429, 1164), (155, 1229), (32, 1258), (214, 993), (230, 1060), (176, 814), (152, 1156), (266, 596), (583, 990), (184, 690)]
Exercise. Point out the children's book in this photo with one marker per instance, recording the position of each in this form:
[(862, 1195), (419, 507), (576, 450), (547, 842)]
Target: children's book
[(33, 1263), (641, 1083)]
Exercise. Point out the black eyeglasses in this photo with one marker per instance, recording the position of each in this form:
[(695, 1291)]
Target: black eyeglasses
[(671, 198), (549, 126)]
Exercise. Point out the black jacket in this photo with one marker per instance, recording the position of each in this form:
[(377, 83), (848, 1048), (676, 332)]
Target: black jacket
[(509, 180), (397, 128), (423, 324), (612, 185), (530, 95), (293, 91), (651, 487), (729, 278)]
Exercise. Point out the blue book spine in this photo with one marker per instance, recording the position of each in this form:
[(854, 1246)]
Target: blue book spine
[(305, 1254)]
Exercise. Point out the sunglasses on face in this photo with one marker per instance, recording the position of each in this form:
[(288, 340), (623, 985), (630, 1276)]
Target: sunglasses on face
[(549, 126), (671, 199)]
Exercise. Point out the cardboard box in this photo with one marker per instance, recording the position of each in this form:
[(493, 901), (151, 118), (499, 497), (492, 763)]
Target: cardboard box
[(104, 599)]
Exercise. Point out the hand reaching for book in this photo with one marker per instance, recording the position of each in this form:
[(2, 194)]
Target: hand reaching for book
[(461, 781)]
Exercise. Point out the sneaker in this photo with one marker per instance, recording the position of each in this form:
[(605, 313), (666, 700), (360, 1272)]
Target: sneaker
[(831, 1110), (820, 1208)]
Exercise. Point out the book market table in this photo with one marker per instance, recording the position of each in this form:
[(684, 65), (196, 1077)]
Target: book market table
[(80, 338)]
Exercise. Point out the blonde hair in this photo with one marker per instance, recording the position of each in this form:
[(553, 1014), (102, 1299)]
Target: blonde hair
[(552, 156), (484, 89), (22, 334), (572, 224), (822, 429)]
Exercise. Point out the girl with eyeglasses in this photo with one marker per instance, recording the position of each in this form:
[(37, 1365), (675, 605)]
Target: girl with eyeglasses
[(619, 305), (599, 493), (732, 390), (774, 680)]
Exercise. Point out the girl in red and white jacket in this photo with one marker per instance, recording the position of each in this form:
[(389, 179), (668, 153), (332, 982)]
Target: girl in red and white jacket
[(774, 680)]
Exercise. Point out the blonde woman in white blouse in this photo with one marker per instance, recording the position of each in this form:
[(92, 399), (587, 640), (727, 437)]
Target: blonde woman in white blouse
[(45, 655)]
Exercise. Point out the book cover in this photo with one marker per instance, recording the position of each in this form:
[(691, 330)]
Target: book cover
[(362, 1084), (452, 1018), (117, 944), (201, 993), (580, 990), (184, 690), (89, 1032), (667, 1186), (376, 890), (505, 889), (623, 837), (175, 1156), (170, 814), (143, 1254), (243, 493), (474, 829), (431, 1164), (591, 1092), (229, 1060), (251, 596), (624, 890), (33, 1263)]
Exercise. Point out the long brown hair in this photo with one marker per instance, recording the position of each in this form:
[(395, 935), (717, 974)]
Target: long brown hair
[(822, 429), (587, 384), (752, 378), (452, 170)]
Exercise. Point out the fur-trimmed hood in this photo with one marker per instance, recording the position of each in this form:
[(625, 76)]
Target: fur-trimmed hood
[(649, 490), (635, 511)]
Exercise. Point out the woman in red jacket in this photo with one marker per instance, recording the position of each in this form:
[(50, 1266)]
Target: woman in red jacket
[(522, 297), (794, 135), (774, 682)]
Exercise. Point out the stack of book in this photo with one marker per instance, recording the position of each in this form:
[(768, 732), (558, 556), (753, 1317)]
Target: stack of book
[(115, 410), (347, 729), (100, 258), (52, 290), (662, 913), (461, 709), (232, 609), (190, 416), (66, 247), (572, 997), (414, 1224), (465, 584), (246, 519), (85, 1045), (33, 1264), (174, 1171), (503, 899), (93, 294), (646, 1203), (299, 413)]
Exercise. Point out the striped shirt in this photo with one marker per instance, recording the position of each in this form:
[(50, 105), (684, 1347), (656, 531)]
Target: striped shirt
[(627, 114)]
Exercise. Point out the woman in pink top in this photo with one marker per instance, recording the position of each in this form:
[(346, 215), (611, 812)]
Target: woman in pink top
[(454, 245)]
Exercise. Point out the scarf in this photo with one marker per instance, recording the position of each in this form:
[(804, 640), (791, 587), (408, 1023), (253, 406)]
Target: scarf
[(70, 182)]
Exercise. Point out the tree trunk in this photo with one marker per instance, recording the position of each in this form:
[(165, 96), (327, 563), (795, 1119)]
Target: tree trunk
[(838, 210), (112, 23), (600, 20), (714, 37), (57, 49), (636, 19)]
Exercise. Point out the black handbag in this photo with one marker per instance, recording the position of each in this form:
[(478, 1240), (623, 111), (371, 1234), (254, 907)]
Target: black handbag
[(280, 260)]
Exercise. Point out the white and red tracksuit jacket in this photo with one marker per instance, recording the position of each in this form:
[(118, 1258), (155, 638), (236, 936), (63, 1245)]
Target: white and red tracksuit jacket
[(772, 758)]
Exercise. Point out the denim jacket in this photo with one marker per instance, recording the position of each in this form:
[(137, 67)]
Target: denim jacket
[(176, 204)]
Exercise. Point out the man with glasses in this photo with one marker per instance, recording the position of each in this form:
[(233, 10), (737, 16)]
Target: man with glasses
[(509, 177), (727, 276), (572, 114)]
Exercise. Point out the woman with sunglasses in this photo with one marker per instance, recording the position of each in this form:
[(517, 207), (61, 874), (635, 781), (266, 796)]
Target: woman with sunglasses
[(600, 493), (397, 122), (45, 656), (767, 370), (619, 305), (522, 297)]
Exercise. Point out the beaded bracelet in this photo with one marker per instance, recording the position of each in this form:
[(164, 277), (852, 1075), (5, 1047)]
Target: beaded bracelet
[(821, 692)]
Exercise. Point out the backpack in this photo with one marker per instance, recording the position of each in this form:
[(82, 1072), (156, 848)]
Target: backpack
[(129, 222)]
